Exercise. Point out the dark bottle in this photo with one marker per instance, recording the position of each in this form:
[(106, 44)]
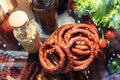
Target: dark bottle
[(113, 54), (45, 14)]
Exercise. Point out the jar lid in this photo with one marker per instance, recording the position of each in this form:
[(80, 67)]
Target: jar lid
[(18, 19)]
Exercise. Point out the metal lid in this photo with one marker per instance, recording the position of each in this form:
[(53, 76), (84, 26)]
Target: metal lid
[(18, 19)]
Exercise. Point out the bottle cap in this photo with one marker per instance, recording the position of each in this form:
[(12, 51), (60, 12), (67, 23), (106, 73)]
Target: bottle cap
[(18, 19)]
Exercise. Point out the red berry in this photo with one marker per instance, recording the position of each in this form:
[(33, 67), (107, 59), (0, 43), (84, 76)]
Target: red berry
[(110, 34), (73, 6), (102, 42)]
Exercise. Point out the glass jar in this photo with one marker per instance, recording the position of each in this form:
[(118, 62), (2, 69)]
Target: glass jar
[(25, 31)]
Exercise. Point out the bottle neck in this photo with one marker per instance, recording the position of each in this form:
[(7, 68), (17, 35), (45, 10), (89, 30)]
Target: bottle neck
[(37, 3), (40, 4)]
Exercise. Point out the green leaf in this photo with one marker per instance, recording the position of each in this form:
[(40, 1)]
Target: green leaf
[(104, 13)]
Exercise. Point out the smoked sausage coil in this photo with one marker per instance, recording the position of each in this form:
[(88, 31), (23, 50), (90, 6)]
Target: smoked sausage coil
[(72, 47)]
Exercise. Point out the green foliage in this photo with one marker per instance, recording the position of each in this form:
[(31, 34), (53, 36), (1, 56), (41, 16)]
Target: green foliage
[(104, 13)]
